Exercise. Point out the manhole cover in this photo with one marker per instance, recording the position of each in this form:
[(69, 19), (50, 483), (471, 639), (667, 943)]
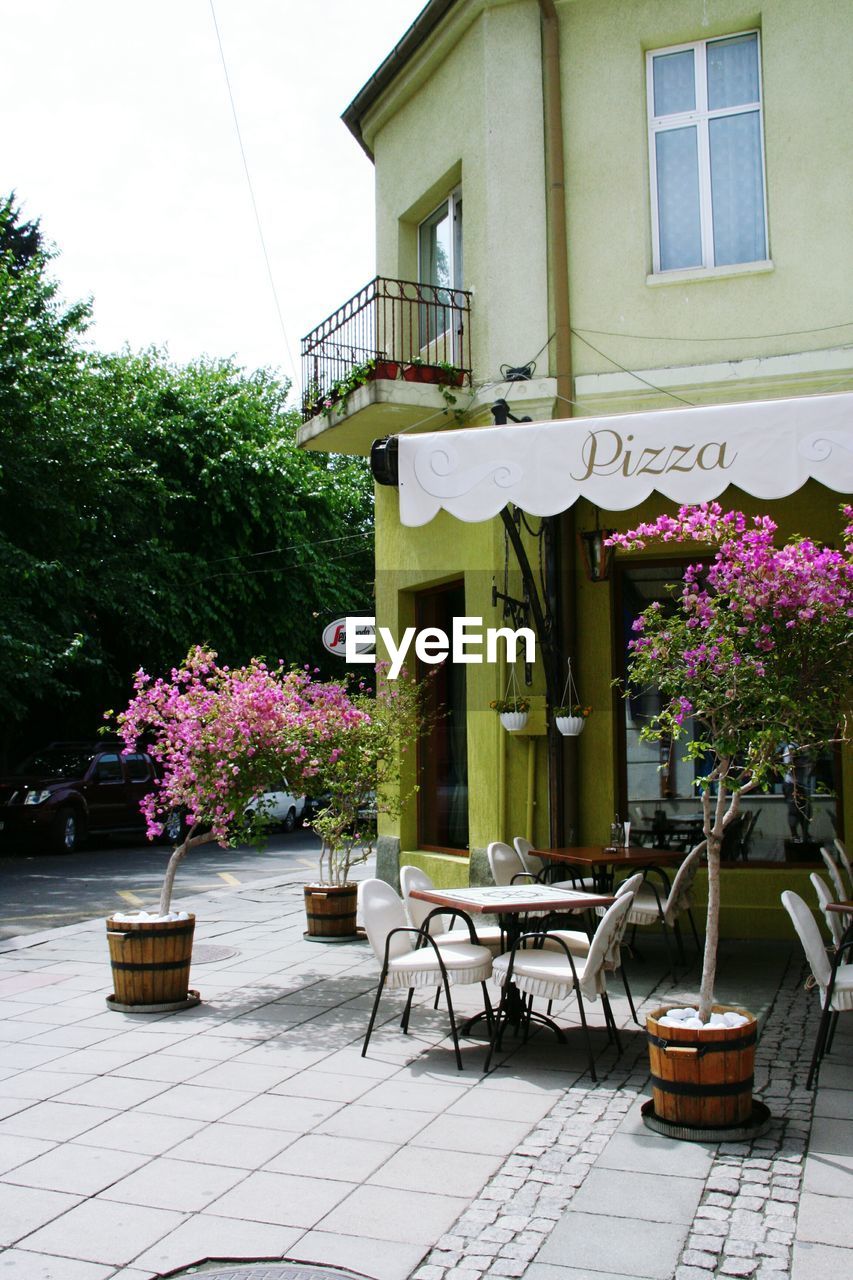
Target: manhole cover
[(204, 954), (265, 1271)]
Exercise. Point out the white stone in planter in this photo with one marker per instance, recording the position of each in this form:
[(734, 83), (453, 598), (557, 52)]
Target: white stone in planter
[(570, 726), (514, 720)]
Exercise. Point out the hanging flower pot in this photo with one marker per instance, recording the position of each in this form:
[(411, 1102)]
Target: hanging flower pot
[(570, 726), (513, 710), (514, 720)]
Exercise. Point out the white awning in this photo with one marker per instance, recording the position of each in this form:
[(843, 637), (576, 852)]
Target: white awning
[(768, 448)]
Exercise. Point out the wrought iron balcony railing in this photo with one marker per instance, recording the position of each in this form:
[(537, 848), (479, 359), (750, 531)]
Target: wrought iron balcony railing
[(395, 322)]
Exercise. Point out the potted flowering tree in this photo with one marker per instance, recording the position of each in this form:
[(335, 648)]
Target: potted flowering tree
[(753, 655), (221, 738)]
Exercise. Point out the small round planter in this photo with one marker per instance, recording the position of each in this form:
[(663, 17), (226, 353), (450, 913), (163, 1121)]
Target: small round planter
[(330, 912), (702, 1079), (514, 720), (570, 726)]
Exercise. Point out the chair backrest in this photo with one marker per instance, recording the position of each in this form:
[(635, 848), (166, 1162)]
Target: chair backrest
[(834, 874), (504, 862), (531, 861), (809, 936), (382, 910), (416, 909), (681, 893), (610, 926), (824, 898), (627, 888), (845, 861)]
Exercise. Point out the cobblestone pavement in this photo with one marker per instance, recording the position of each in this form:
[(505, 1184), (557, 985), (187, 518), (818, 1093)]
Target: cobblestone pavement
[(745, 1218)]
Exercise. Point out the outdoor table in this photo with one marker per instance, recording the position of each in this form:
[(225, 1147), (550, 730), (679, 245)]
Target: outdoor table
[(510, 903), (843, 908), (604, 860)]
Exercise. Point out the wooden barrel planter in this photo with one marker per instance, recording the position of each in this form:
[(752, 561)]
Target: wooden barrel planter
[(702, 1079), (150, 961), (330, 910)]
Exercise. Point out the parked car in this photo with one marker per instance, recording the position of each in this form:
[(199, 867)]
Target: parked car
[(281, 808), (69, 790)]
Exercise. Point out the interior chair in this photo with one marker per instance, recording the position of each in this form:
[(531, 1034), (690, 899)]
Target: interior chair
[(835, 982), (832, 918), (834, 874), (412, 960), (441, 926), (651, 905), (552, 973), (579, 942), (845, 861)]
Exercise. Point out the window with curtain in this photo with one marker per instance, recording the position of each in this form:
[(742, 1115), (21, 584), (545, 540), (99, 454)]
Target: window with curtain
[(443, 745), (707, 154)]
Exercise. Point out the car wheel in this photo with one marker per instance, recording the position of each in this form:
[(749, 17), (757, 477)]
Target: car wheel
[(67, 832), (289, 823)]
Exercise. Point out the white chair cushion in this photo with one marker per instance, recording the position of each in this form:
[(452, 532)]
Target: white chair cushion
[(842, 992), (488, 935), (644, 909), (542, 973), (575, 939), (463, 962)]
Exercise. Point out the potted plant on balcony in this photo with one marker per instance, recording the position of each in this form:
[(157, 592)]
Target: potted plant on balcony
[(334, 401), (440, 372), (753, 654), (219, 737)]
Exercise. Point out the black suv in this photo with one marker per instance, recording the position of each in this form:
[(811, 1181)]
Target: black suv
[(69, 790)]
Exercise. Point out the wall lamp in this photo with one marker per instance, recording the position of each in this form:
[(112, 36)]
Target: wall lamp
[(597, 558)]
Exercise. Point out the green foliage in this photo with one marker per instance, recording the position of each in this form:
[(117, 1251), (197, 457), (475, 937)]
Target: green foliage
[(144, 504)]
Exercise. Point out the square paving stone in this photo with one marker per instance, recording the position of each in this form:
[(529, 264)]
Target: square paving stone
[(493, 1105), (624, 1246), (24, 1209), (819, 1262), (82, 1171), (174, 1184), (116, 1092), (407, 1217), (281, 1198), (150, 1135), (324, 1084), (192, 1103), (647, 1153), (272, 1111), (471, 1133), (550, 1271), (20, 1264), (100, 1231), (663, 1199), (232, 1145), (58, 1121), (413, 1095), (168, 1067), (380, 1259), (41, 1084), (833, 1137), (206, 1236), (829, 1176), (825, 1220), (835, 1103), (453, 1173), (248, 1077), (15, 1151), (345, 1159), (354, 1121)]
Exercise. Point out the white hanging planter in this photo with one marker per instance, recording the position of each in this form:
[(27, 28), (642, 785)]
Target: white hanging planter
[(570, 726), (514, 720)]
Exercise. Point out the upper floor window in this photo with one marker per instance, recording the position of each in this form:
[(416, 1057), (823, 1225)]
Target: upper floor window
[(440, 265), (707, 154)]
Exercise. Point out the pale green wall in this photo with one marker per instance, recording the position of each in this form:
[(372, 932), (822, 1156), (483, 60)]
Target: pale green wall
[(468, 109)]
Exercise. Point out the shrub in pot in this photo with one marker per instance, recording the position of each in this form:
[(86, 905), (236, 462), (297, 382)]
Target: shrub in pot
[(571, 720), (754, 656), (513, 712)]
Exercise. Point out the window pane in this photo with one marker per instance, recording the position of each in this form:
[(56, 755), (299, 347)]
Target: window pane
[(732, 71), (443, 747), (457, 243), (737, 192), (435, 250), (678, 199), (674, 83)]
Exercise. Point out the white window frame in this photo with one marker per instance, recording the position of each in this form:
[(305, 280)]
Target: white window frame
[(448, 205), (700, 117)]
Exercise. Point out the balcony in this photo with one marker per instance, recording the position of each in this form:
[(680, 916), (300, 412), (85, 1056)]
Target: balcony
[(377, 364)]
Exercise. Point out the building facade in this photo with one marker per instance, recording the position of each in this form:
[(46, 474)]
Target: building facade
[(588, 208)]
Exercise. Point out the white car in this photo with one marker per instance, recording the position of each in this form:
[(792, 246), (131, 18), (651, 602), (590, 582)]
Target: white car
[(280, 807)]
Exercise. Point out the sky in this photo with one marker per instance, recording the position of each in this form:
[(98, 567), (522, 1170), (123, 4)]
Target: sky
[(116, 130)]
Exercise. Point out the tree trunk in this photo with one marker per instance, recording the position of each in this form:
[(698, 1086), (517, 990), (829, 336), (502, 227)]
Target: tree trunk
[(178, 854), (714, 838)]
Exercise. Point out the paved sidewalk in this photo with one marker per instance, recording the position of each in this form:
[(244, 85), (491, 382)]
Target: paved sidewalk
[(250, 1127)]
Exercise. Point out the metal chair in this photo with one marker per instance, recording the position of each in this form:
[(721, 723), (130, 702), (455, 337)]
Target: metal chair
[(834, 981), (506, 865), (412, 959), (552, 972), (845, 861), (650, 907), (548, 873), (441, 926), (832, 918), (834, 873), (530, 860)]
